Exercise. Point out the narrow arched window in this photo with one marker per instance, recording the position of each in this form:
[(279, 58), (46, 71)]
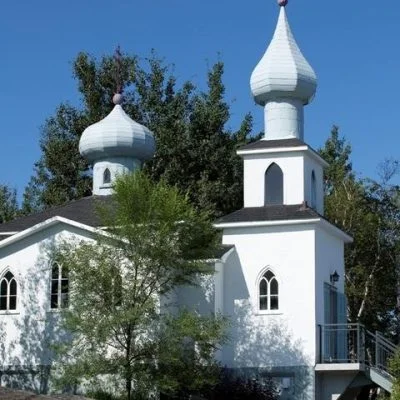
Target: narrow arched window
[(8, 292), (59, 286), (112, 291), (273, 185), (106, 176), (313, 191), (269, 292)]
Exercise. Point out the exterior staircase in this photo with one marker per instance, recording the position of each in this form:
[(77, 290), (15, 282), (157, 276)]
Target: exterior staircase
[(352, 358)]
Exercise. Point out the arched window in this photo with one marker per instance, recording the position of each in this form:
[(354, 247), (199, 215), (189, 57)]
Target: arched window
[(313, 191), (8, 292), (269, 292), (106, 176), (59, 286), (273, 185), (112, 289)]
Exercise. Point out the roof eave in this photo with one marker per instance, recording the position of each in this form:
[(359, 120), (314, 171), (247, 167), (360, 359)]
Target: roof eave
[(282, 149), (312, 221), (46, 224)]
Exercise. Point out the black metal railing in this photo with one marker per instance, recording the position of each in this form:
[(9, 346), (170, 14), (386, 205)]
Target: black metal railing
[(352, 343)]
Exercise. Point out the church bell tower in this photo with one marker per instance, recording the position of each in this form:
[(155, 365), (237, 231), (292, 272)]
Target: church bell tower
[(282, 168)]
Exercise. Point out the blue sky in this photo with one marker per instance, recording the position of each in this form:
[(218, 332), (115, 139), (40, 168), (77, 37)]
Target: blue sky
[(353, 47)]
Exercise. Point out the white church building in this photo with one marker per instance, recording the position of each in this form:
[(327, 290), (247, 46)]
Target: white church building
[(280, 278)]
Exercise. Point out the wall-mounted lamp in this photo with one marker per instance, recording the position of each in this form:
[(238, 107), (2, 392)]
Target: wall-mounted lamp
[(334, 277)]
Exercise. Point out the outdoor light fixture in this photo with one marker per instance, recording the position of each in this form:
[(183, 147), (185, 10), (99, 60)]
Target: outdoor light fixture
[(334, 277)]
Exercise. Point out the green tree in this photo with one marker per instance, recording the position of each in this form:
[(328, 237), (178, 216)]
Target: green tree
[(369, 211), (235, 387), (195, 151), (394, 369), (8, 204), (122, 293)]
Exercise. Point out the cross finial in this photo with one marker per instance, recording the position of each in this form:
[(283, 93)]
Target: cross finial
[(282, 3), (117, 99)]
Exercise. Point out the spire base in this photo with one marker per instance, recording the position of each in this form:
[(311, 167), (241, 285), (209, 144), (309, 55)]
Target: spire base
[(284, 119)]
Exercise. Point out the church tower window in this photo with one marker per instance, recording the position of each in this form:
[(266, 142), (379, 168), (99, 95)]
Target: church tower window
[(273, 185), (313, 191), (269, 292), (106, 176), (59, 286), (8, 292)]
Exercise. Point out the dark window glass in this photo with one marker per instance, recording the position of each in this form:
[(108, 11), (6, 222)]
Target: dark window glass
[(64, 300), (13, 288), (268, 275), (54, 286), (263, 287), (8, 292), (117, 289), (64, 286), (59, 286), (274, 303), (106, 176), (273, 185), (13, 302), (54, 301), (274, 286), (55, 271), (264, 303), (9, 276), (269, 291), (3, 288), (64, 273), (313, 190), (3, 303)]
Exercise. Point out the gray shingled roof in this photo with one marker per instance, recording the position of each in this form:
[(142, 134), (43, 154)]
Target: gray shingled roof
[(270, 144), (223, 250), (82, 210), (270, 213)]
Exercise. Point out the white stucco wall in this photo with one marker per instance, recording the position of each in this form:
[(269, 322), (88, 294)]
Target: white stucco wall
[(277, 338), (27, 332), (255, 167), (117, 166), (329, 256), (296, 166), (310, 165)]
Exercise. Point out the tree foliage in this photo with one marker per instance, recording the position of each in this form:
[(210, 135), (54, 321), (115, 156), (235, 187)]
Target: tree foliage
[(395, 371), (195, 151), (8, 204), (123, 289), (236, 387), (369, 211)]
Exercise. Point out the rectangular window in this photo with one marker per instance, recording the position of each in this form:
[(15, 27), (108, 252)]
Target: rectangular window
[(59, 287)]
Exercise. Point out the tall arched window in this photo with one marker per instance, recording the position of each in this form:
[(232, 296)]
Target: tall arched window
[(269, 292), (273, 185), (112, 289), (8, 292), (59, 286), (313, 190), (106, 176)]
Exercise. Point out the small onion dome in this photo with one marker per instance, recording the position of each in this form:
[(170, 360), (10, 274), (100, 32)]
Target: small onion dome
[(283, 72), (117, 135)]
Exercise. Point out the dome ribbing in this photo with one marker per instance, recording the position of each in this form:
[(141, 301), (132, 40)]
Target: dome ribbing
[(283, 71), (117, 135)]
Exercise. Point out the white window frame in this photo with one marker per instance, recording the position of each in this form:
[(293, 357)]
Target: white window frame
[(260, 278), (313, 199), (59, 293), (267, 189), (8, 295), (108, 172)]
